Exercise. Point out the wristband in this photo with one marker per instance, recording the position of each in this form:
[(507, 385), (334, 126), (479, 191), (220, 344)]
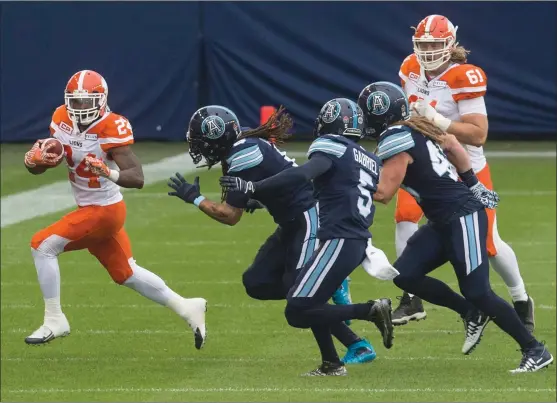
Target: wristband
[(469, 178), (198, 200), (114, 175), (441, 122)]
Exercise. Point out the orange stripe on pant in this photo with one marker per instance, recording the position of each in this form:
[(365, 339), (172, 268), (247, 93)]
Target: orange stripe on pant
[(98, 229), (408, 210)]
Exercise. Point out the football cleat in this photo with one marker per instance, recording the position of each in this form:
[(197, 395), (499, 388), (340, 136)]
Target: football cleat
[(328, 369), (359, 353), (52, 328), (193, 312), (525, 311), (342, 296), (533, 359), (474, 326), (380, 315), (410, 308)]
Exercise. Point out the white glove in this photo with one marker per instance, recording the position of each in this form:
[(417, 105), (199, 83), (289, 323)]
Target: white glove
[(423, 108), (377, 265)]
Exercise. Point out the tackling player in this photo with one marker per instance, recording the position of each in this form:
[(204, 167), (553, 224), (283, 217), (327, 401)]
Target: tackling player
[(456, 230), (97, 145), (345, 177), (215, 134), (449, 92)]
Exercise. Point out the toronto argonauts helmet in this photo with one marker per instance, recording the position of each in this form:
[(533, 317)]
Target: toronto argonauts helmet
[(340, 116), (211, 133), (383, 103)]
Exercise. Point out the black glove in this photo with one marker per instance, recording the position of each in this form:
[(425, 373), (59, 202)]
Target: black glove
[(186, 191), (253, 205), (235, 184)]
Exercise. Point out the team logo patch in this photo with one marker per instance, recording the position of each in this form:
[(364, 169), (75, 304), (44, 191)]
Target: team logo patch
[(91, 137), (331, 111), (65, 128), (360, 120), (413, 76), (439, 84), (378, 103), (213, 127)]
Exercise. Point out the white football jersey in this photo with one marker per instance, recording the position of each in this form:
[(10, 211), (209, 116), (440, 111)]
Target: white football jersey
[(457, 91), (111, 130)]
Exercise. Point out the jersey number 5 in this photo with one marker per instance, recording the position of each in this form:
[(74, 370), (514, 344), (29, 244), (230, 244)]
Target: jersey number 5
[(81, 171), (365, 201)]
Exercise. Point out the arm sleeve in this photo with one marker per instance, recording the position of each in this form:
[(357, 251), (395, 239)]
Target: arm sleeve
[(317, 165)]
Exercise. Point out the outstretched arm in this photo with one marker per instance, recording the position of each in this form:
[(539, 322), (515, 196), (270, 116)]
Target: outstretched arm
[(288, 178)]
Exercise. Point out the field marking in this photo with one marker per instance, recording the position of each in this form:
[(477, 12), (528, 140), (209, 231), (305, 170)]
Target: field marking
[(240, 359), (283, 390), (155, 306), (58, 196), (488, 154)]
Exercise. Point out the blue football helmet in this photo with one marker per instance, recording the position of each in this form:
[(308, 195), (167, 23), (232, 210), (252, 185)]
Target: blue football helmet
[(383, 103), (211, 133), (340, 116)]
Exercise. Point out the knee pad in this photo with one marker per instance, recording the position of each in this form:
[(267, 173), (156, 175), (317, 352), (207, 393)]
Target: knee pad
[(49, 245)]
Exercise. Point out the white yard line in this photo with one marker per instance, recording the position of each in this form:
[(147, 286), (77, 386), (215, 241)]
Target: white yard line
[(57, 196), (320, 390)]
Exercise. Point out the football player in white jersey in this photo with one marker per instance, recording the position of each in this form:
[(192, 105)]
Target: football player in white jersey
[(449, 92), (97, 149)]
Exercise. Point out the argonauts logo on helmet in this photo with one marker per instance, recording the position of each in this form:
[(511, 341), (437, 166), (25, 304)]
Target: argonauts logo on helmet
[(331, 111), (213, 127), (378, 102)]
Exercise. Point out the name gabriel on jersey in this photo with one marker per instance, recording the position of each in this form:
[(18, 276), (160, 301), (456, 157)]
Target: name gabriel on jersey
[(366, 161)]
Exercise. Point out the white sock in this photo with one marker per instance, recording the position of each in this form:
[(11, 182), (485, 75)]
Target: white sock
[(506, 265), (48, 273), (153, 287), (403, 231)]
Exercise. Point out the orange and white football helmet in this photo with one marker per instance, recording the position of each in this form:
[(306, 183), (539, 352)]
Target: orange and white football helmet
[(86, 97), (434, 39)]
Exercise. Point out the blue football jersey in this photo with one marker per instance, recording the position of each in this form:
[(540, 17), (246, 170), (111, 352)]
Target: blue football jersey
[(345, 191), (254, 159), (430, 179)]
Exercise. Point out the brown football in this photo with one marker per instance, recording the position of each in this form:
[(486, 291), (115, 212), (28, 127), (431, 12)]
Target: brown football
[(55, 145)]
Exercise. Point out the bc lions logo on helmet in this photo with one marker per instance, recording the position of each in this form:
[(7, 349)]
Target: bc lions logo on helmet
[(212, 127), (378, 102), (330, 112)]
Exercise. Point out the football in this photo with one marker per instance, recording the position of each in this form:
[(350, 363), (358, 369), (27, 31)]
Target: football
[(56, 147)]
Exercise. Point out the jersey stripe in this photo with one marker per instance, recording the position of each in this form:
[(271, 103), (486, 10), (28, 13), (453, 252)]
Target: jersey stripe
[(327, 146), (395, 144), (245, 159)]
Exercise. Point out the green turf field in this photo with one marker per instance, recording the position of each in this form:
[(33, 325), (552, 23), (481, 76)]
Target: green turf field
[(125, 348)]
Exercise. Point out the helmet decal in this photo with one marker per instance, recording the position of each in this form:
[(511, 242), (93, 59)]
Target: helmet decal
[(378, 103), (213, 127), (331, 111)]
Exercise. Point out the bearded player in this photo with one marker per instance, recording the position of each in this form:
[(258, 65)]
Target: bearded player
[(97, 147), (450, 93)]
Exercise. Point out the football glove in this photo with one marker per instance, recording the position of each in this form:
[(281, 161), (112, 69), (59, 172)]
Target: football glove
[(37, 156), (489, 198), (253, 205), (186, 191), (235, 184), (97, 166), (423, 108)]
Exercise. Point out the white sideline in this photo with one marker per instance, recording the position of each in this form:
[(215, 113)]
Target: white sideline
[(282, 390), (57, 196)]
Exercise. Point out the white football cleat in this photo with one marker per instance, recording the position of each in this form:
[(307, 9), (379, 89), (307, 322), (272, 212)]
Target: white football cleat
[(52, 328), (193, 312)]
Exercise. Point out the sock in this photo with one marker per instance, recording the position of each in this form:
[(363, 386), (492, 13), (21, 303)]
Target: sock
[(435, 292), (48, 274), (403, 231), (506, 318), (344, 334), (324, 340), (506, 265), (153, 287)]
